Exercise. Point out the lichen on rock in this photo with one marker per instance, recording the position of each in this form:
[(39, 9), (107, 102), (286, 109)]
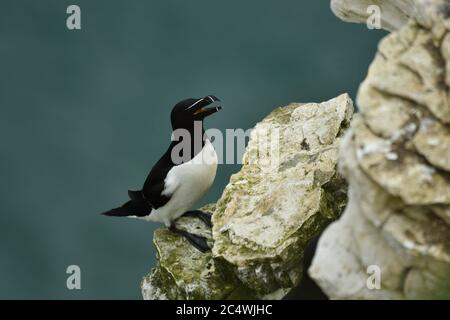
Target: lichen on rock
[(183, 272), (286, 192), (267, 212)]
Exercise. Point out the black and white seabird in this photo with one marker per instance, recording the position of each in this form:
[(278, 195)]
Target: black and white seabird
[(173, 187)]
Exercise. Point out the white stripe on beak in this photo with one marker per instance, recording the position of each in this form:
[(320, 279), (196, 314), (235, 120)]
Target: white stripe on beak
[(194, 104)]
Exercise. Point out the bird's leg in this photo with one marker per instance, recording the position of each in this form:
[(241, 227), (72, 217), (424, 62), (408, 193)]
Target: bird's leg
[(204, 216), (199, 242)]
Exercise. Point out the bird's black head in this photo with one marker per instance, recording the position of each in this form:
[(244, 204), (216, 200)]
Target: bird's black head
[(185, 112)]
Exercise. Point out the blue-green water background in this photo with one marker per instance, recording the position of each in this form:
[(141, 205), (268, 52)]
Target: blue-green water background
[(84, 115)]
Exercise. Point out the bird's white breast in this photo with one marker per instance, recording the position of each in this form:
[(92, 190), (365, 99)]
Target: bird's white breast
[(187, 183)]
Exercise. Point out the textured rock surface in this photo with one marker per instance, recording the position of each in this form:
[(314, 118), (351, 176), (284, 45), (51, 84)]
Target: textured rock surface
[(395, 157), (394, 13), (287, 190), (268, 212)]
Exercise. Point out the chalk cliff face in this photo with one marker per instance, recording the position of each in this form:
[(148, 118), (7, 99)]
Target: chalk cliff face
[(286, 192), (396, 158)]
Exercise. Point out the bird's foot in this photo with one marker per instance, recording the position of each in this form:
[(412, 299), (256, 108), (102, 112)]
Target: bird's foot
[(199, 242), (204, 216)]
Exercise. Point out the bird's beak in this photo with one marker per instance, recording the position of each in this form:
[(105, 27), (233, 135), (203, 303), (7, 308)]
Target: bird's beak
[(202, 111)]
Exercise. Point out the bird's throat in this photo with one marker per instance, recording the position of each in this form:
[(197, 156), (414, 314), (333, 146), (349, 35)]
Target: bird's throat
[(190, 139)]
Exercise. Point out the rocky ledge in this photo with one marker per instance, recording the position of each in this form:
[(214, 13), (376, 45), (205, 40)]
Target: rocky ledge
[(396, 158), (287, 191)]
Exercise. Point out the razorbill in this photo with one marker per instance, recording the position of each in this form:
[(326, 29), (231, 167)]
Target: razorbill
[(173, 186)]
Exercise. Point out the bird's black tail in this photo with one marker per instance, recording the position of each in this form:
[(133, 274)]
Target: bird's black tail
[(137, 206)]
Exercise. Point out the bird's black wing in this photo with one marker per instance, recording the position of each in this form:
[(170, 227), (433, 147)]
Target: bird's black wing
[(142, 202), (155, 183)]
